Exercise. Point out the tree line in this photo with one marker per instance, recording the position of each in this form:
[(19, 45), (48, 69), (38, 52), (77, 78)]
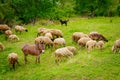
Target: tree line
[(26, 11)]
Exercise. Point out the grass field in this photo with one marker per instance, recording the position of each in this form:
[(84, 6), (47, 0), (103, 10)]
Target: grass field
[(96, 65)]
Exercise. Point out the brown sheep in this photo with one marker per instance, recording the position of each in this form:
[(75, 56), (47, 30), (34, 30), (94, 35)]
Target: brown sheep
[(13, 37), (13, 59), (97, 36), (41, 31), (71, 48), (4, 27), (116, 46), (8, 33), (49, 35)]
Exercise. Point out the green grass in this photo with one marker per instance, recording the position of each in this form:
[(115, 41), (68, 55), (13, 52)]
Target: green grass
[(97, 65)]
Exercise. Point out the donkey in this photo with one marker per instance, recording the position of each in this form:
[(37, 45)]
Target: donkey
[(34, 50)]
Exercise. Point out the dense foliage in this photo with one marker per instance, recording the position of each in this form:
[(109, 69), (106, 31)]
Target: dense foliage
[(25, 11)]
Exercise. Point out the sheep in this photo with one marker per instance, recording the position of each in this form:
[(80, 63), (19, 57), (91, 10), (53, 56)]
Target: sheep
[(100, 44), (2, 46), (97, 36), (47, 41), (62, 52), (8, 33), (59, 41), (13, 59), (34, 50), (90, 44), (13, 37), (4, 27), (40, 31), (116, 46), (49, 35), (77, 35), (20, 29), (71, 48), (83, 41)]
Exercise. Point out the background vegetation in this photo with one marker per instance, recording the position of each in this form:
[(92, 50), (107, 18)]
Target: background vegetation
[(25, 11)]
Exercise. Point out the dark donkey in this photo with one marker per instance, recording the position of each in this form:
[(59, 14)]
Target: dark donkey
[(34, 50)]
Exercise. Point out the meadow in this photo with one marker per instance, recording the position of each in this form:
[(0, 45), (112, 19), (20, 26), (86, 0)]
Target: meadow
[(96, 65)]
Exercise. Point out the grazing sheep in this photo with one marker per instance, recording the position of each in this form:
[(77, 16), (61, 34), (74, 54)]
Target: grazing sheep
[(116, 46), (4, 27), (34, 50), (41, 31), (71, 48), (8, 33), (97, 36), (83, 41), (100, 44), (62, 52), (13, 59), (90, 44), (59, 41), (13, 37), (49, 35), (20, 29), (64, 22), (77, 35), (47, 41), (2, 46)]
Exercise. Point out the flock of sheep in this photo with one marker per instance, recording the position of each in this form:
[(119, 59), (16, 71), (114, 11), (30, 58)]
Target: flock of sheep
[(53, 38)]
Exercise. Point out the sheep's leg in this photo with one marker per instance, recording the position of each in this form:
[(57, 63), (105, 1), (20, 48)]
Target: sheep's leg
[(14, 66), (39, 59), (17, 62), (25, 59)]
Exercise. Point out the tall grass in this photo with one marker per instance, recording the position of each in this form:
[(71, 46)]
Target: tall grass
[(97, 65)]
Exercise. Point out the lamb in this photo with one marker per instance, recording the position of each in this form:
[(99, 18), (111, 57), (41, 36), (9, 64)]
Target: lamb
[(77, 35), (116, 46), (13, 59), (20, 29), (62, 52), (59, 41), (4, 27), (100, 44), (97, 36), (13, 37), (83, 41), (90, 44), (47, 41), (8, 33), (2, 46), (34, 50)]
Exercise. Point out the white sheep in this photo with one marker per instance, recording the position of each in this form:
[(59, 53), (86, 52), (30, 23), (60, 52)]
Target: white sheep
[(20, 28), (77, 35), (2, 46), (13, 59), (116, 46), (41, 31), (62, 52), (83, 41), (71, 48), (59, 42), (90, 44), (100, 44), (13, 37), (8, 33)]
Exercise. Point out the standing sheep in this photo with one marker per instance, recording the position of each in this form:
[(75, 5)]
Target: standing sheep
[(90, 44), (2, 46), (83, 41), (13, 59), (62, 52), (20, 29), (4, 27), (71, 48), (59, 41), (49, 35), (116, 46), (100, 44), (41, 31), (8, 33), (13, 37)]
